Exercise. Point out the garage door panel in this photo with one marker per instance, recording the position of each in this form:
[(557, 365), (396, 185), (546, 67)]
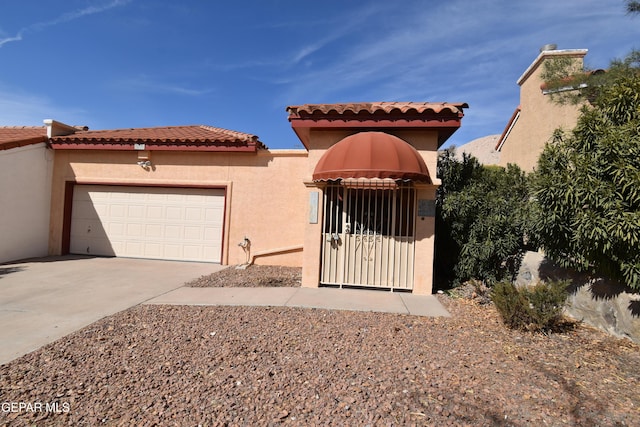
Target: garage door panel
[(84, 209), (193, 214), (211, 233), (101, 209), (192, 233), (213, 215), (92, 246), (172, 232), (136, 211), (154, 231), (134, 247), (163, 223), (88, 228), (117, 229), (153, 250), (173, 213), (192, 251), (172, 251)]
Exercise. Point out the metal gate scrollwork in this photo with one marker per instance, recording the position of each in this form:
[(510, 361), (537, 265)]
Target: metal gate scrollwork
[(368, 234)]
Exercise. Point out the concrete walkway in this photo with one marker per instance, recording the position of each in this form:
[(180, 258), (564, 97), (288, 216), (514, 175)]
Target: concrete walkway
[(44, 299), (325, 298)]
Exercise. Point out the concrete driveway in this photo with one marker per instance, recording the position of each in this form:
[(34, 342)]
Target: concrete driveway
[(44, 299)]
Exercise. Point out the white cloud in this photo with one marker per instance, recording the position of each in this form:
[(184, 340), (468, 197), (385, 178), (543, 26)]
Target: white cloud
[(419, 51), (66, 17), (146, 83), (30, 110)]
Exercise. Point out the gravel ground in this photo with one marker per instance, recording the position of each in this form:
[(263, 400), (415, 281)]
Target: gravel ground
[(218, 366), (254, 276)]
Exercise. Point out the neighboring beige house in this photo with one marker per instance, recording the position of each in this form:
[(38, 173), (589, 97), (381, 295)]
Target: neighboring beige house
[(536, 118), (26, 165), (354, 208)]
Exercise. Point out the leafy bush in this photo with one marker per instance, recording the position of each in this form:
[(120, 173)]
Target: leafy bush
[(481, 220), (455, 176), (532, 308)]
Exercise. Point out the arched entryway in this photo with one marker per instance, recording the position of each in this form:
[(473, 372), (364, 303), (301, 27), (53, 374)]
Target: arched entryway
[(369, 211)]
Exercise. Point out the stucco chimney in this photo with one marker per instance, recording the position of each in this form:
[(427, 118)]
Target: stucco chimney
[(550, 46), (55, 128)]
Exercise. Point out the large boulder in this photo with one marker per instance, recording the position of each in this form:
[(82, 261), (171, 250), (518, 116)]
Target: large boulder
[(597, 301)]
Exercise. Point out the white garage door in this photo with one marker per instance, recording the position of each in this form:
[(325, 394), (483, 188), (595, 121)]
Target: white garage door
[(147, 222)]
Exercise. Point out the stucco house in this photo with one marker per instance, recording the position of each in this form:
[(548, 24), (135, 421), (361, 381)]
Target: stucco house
[(354, 208), (26, 166), (536, 118)]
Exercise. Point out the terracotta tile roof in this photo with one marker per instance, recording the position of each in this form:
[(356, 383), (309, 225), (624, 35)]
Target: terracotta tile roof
[(196, 137), (383, 108), (19, 136), (445, 117)]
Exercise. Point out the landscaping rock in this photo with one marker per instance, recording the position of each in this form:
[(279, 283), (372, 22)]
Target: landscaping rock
[(218, 366), (602, 303)]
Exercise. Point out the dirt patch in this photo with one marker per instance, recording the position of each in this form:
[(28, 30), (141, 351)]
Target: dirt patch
[(171, 365)]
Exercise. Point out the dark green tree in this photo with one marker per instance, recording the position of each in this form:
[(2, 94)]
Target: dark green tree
[(633, 6), (455, 174), (587, 184), (481, 220)]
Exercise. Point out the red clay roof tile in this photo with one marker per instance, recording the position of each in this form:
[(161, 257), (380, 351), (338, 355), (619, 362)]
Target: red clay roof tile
[(196, 137), (444, 117), (376, 108), (19, 136)]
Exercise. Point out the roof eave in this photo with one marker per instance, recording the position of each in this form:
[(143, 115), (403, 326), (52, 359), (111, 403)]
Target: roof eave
[(445, 126), (137, 146), (8, 145), (444, 117)]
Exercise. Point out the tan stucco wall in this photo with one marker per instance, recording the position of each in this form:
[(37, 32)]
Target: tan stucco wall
[(265, 193), (539, 117), (424, 246), (25, 192)]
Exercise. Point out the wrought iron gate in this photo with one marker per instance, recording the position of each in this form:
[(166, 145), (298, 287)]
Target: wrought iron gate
[(368, 234)]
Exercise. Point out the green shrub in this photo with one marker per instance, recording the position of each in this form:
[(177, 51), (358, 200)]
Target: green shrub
[(532, 308), (511, 304), (482, 218)]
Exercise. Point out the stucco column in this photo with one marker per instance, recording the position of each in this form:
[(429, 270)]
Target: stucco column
[(312, 237), (424, 240)]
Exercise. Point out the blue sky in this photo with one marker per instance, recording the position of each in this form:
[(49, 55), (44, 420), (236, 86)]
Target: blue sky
[(112, 64)]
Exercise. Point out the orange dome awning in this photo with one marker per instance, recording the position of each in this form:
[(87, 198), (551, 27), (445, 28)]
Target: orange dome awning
[(372, 155)]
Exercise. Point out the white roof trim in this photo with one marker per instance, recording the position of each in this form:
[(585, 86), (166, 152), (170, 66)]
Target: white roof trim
[(578, 53), (56, 128), (563, 89), (506, 134)]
